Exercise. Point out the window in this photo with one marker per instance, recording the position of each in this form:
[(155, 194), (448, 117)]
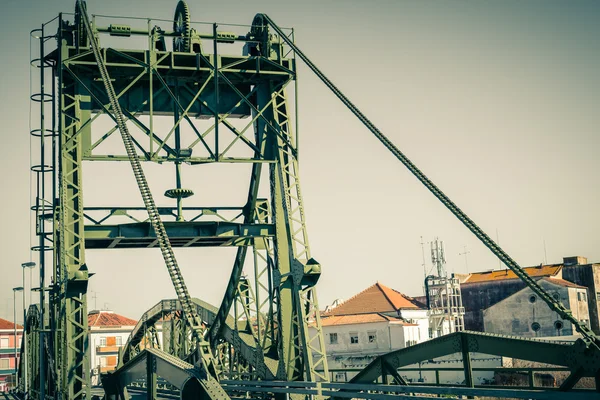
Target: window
[(581, 296), (103, 361), (354, 337), (333, 339), (410, 343), (535, 326), (103, 341), (340, 377), (372, 337), (532, 298), (558, 325), (4, 343), (598, 296), (4, 363), (119, 341)]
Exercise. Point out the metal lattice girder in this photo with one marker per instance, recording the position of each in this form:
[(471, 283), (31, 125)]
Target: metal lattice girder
[(192, 101), (168, 313), (181, 234), (575, 356), (154, 362), (296, 273), (72, 274)]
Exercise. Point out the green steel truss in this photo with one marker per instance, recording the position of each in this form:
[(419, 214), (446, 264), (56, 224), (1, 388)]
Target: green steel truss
[(222, 109)]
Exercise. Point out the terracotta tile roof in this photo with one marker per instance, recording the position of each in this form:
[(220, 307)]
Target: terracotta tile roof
[(5, 324), (374, 299), (499, 275), (562, 282), (335, 320), (108, 318)]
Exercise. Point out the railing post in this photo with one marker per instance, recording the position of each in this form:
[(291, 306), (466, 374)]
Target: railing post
[(150, 377), (464, 341)]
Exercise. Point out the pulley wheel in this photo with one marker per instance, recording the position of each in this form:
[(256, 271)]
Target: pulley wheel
[(181, 26)]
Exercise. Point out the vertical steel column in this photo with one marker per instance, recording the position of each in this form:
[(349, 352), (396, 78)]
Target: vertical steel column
[(151, 393), (464, 342), (73, 280)]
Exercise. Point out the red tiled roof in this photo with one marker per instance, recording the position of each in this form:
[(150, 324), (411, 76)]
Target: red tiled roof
[(562, 282), (5, 324), (108, 318), (335, 320), (374, 299), (499, 275)]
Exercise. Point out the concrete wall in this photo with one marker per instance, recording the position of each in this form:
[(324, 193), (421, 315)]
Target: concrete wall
[(589, 276), (480, 296), (517, 314), (388, 337), (95, 338)]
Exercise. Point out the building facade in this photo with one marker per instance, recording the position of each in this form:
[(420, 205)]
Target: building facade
[(379, 320), (483, 291), (9, 349), (579, 271), (373, 322), (108, 334), (524, 314)]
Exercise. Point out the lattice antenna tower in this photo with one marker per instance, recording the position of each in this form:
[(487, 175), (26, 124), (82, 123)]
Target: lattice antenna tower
[(438, 257)]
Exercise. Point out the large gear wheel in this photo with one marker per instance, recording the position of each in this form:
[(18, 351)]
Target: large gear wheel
[(260, 32), (182, 26)]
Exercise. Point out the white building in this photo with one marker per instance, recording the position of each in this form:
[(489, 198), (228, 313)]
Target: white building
[(374, 322), (379, 320), (108, 334)]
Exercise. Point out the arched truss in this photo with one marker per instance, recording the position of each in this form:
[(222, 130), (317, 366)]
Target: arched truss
[(236, 344), (576, 356)]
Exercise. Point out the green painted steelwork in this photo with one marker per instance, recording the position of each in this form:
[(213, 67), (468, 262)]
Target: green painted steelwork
[(242, 102), (181, 234), (224, 109)]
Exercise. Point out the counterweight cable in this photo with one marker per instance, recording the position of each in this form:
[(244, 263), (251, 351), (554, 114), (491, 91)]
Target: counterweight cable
[(555, 305)]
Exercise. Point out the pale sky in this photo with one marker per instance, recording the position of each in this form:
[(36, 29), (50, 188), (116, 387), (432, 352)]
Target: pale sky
[(496, 101)]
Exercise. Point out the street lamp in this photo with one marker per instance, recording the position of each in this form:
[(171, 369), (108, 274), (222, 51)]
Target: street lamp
[(15, 290), (29, 264)]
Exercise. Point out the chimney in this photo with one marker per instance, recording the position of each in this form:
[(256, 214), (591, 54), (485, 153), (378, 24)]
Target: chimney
[(574, 260)]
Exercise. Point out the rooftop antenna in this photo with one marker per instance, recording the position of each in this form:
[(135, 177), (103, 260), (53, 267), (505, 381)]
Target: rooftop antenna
[(424, 266), (438, 257), (95, 297), (545, 255), (464, 253)]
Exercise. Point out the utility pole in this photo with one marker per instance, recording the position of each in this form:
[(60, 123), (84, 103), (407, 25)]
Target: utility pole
[(424, 266)]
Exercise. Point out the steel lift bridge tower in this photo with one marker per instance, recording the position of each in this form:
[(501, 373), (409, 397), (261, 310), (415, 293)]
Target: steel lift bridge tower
[(222, 109), (175, 97)]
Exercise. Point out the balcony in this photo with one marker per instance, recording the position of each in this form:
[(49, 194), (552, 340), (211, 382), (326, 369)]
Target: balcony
[(9, 371), (108, 349), (9, 350)]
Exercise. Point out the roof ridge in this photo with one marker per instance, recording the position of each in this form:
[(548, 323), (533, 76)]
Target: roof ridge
[(381, 287)]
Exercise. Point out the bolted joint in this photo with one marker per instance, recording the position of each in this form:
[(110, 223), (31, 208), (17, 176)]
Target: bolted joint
[(312, 272), (77, 281)]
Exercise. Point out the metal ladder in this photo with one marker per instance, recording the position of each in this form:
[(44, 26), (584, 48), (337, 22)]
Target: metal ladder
[(192, 318)]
